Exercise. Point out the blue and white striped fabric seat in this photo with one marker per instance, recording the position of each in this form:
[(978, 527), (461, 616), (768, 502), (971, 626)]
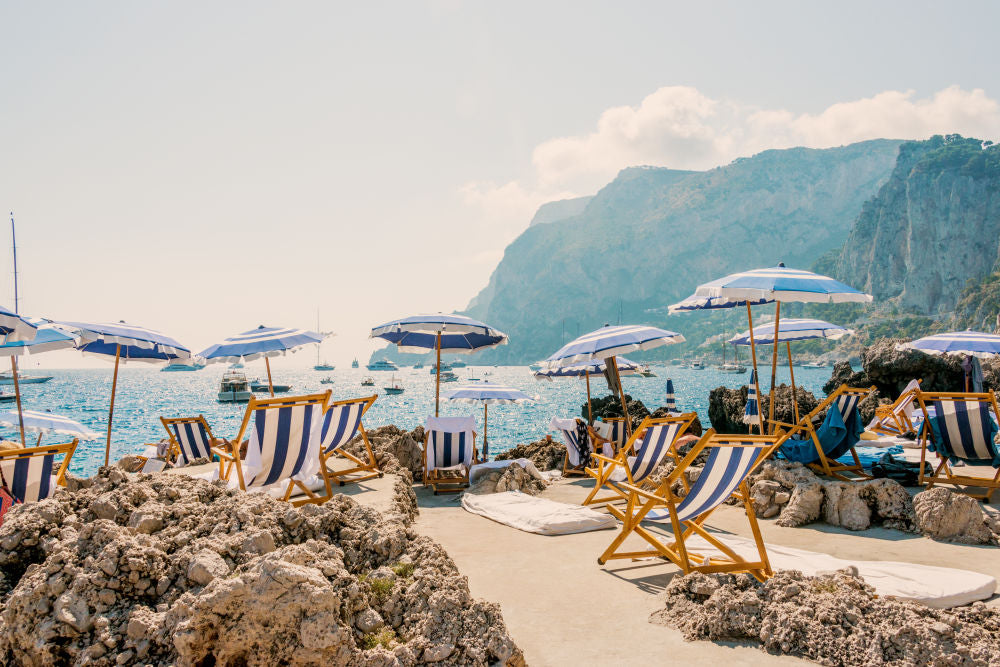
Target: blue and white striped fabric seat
[(450, 442), (724, 471), (964, 430), (649, 452), (616, 432), (194, 440), (30, 479), (567, 429), (846, 404), (340, 425), (282, 445)]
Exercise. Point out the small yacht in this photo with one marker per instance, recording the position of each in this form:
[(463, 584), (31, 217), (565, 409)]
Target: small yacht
[(5, 397), (448, 376), (174, 367), (458, 364), (534, 367), (324, 366), (326, 380), (234, 387), (368, 381), (697, 365), (445, 368), (260, 385), (395, 387), (382, 365), (7, 377), (418, 365), (354, 364), (645, 372), (731, 368), (814, 364)]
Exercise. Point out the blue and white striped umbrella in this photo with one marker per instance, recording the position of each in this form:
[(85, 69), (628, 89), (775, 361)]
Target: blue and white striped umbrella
[(49, 337), (973, 343), (488, 394), (459, 334), (260, 343), (588, 368), (695, 302), (14, 327), (790, 330), (780, 283), (751, 413), (46, 422), (610, 341), (670, 401)]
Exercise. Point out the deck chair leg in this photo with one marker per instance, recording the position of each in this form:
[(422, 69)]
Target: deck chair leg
[(755, 529)]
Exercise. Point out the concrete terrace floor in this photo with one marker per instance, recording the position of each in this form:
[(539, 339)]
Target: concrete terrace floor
[(562, 608)]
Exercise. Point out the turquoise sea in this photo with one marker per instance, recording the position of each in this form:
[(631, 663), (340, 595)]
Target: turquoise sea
[(145, 394)]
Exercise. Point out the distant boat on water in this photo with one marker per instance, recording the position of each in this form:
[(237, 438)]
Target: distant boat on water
[(394, 387), (7, 377), (382, 365), (458, 364), (234, 387), (697, 365), (258, 385), (814, 364), (534, 367), (645, 371), (448, 376), (445, 368), (368, 381), (321, 365), (170, 368), (326, 380), (354, 364), (418, 365)]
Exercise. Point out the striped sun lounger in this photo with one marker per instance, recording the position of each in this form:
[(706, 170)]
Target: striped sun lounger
[(731, 459), (190, 438), (652, 442), (283, 445), (896, 419), (574, 460), (341, 422), (960, 428), (32, 473), (449, 450)]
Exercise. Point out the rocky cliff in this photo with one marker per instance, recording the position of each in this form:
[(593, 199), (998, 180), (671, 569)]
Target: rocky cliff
[(650, 236)]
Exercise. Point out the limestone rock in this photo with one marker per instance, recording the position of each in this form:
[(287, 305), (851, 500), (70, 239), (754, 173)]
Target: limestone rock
[(805, 505), (955, 517), (206, 566), (546, 454), (394, 448)]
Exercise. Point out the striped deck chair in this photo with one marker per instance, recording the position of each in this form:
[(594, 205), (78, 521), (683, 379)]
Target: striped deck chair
[(283, 446), (895, 419), (652, 442), (190, 438), (731, 459), (960, 427), (449, 451), (820, 447), (341, 422), (32, 472), (574, 461)]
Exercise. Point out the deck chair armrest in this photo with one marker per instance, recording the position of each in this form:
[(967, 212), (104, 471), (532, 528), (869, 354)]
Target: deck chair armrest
[(601, 457), (645, 493), (223, 454), (784, 424)]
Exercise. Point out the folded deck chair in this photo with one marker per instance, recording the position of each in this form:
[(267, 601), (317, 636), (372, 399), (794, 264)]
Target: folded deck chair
[(652, 442), (449, 450), (962, 428), (190, 438), (283, 446), (896, 419), (731, 459), (341, 422), (575, 459), (32, 473), (613, 429), (819, 448)]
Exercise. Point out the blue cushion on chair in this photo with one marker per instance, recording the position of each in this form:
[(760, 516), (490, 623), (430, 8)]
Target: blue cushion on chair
[(835, 437)]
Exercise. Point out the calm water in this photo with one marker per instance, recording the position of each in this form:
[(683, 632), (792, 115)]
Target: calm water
[(145, 394)]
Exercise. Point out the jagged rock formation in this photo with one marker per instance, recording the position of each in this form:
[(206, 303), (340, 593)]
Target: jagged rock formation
[(394, 449), (546, 454), (611, 407), (954, 517), (833, 619), (511, 478), (726, 406)]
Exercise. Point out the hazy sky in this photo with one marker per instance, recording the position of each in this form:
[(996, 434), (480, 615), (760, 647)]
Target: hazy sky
[(202, 168)]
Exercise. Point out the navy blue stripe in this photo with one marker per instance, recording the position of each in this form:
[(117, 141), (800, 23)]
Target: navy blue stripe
[(284, 417), (304, 438), (19, 486)]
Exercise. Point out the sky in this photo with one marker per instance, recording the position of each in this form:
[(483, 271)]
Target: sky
[(204, 168)]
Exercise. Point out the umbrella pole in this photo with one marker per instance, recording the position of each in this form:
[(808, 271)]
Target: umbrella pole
[(270, 384), (590, 413), (621, 391), (17, 392), (111, 410), (795, 400), (486, 445), (756, 376), (774, 361), (437, 378)]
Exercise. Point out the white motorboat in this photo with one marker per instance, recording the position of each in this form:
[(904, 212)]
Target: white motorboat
[(7, 377), (234, 387)]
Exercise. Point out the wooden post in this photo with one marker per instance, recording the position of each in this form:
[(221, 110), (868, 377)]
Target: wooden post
[(270, 384), (17, 392), (795, 400), (437, 380), (111, 410), (590, 413), (756, 375), (486, 416), (774, 361), (621, 391)]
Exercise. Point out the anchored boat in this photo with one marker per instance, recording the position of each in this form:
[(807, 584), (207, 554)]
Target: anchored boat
[(234, 387), (394, 387), (7, 377)]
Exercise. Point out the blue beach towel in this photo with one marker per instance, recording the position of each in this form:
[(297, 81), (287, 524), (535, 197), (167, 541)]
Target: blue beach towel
[(834, 435)]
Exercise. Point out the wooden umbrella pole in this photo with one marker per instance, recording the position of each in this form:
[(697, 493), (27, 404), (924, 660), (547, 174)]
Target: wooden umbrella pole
[(486, 416), (437, 381), (590, 413), (17, 393), (621, 392), (111, 410), (795, 400), (270, 384), (774, 361), (756, 375)]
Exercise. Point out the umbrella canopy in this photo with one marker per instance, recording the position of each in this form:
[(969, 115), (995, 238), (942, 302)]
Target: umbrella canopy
[(588, 368), (609, 341), (488, 394), (751, 413), (260, 343), (46, 422), (780, 283), (695, 302), (790, 330), (49, 337), (972, 343), (670, 401), (15, 327)]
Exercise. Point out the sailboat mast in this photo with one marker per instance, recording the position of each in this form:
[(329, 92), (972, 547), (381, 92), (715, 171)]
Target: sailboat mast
[(13, 240)]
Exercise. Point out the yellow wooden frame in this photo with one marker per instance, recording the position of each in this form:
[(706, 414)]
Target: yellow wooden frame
[(370, 466), (641, 501), (902, 421), (606, 466), (962, 483), (175, 447), (825, 466), (66, 449), (232, 455), (451, 483)]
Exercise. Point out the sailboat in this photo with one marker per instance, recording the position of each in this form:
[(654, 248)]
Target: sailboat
[(394, 387), (354, 364), (321, 365), (734, 367)]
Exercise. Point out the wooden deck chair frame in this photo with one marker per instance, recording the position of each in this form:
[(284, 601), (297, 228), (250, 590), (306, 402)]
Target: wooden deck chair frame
[(902, 421), (613, 421), (641, 501), (231, 455), (825, 466), (605, 466), (440, 483), (369, 467), (963, 483), (67, 449), (568, 470), (175, 446)]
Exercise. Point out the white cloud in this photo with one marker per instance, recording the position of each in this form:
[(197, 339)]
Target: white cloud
[(680, 127)]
